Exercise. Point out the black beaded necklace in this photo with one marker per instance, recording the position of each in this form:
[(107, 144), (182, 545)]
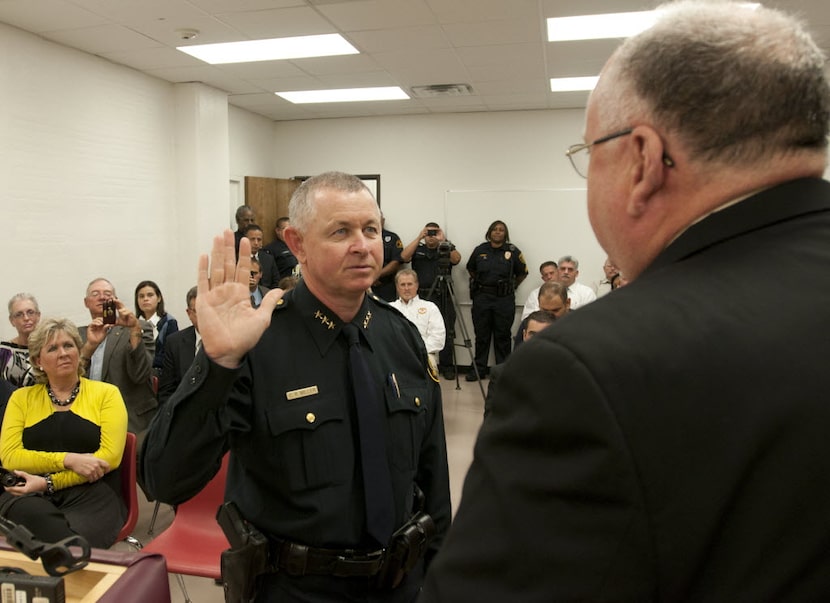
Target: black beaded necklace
[(68, 401)]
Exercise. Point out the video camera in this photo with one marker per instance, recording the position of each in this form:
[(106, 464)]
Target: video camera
[(444, 263)]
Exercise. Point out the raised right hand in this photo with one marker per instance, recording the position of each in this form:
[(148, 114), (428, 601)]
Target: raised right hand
[(228, 324)]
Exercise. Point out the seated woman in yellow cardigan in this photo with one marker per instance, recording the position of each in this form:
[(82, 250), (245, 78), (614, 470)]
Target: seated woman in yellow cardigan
[(65, 437)]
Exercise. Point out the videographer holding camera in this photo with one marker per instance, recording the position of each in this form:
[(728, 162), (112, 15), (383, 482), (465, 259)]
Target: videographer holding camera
[(432, 255)]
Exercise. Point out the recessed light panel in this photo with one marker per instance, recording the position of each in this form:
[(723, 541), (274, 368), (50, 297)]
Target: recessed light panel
[(250, 51), (345, 95), (573, 84)]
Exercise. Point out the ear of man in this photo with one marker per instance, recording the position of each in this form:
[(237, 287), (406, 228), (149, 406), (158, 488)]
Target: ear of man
[(648, 172)]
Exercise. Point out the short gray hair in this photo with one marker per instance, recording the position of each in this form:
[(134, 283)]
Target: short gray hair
[(22, 297), (301, 210), (571, 259), (736, 85), (406, 272)]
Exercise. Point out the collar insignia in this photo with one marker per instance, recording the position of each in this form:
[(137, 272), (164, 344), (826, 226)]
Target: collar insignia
[(324, 320), (367, 318)]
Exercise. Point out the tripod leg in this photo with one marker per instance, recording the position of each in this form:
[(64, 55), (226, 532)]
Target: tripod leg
[(467, 342)]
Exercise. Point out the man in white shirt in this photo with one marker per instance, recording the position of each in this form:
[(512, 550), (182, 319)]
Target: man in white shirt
[(549, 272), (424, 314), (579, 294)]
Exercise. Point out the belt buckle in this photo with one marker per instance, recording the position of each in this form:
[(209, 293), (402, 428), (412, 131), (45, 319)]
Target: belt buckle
[(367, 564)]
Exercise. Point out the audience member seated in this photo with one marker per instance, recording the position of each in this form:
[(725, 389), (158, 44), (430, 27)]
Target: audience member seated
[(538, 320), (267, 264), (553, 299), (24, 314), (578, 293), (149, 306), (549, 271), (605, 285), (65, 437), (121, 354), (286, 262), (422, 313), (257, 291), (180, 351)]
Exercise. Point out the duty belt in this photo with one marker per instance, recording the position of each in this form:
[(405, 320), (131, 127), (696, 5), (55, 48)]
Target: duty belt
[(491, 289), (301, 560)]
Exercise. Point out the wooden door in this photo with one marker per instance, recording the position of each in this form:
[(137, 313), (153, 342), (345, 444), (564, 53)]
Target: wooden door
[(269, 199)]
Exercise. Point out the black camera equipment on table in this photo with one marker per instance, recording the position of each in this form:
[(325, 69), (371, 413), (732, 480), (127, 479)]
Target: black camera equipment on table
[(442, 284)]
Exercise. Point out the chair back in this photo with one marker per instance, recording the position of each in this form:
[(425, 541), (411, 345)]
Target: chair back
[(129, 490), (194, 541)]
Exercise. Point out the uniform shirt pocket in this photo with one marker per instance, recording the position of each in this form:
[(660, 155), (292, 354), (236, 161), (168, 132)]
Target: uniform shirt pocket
[(407, 424), (312, 440)]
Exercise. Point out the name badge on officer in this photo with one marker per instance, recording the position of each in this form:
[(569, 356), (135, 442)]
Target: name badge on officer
[(301, 393)]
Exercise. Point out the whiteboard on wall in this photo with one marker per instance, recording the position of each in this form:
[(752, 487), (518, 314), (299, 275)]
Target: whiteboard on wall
[(544, 224)]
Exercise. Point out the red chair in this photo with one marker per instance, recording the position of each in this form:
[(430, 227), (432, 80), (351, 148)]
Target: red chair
[(194, 541), (129, 491)]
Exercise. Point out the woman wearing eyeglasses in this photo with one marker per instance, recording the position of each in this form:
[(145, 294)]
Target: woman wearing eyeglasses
[(24, 314)]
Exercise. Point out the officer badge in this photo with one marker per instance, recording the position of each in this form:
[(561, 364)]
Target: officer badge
[(507, 255)]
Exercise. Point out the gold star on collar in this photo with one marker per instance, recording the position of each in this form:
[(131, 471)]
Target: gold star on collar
[(324, 320), (367, 318)]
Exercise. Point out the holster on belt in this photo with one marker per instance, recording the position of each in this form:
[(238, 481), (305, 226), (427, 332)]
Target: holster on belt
[(406, 547), (245, 560)]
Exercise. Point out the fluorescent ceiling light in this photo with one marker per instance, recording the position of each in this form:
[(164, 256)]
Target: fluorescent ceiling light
[(299, 47), (345, 95), (595, 27), (573, 84), (610, 25)]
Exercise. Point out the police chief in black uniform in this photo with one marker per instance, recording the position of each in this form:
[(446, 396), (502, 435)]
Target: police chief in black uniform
[(273, 386), (423, 253), (496, 268)]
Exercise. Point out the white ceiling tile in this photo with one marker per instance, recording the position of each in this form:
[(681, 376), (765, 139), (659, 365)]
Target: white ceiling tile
[(491, 33), (280, 23), (45, 15), (378, 14), (101, 39), (399, 39), (474, 11)]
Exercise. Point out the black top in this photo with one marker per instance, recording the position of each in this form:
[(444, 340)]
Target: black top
[(493, 264), (425, 264), (282, 255), (289, 422)]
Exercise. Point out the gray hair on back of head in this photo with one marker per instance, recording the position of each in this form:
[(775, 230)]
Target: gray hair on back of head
[(736, 85)]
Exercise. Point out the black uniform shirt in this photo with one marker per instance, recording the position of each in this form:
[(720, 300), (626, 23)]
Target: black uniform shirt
[(425, 264), (282, 255), (290, 424), (492, 264)]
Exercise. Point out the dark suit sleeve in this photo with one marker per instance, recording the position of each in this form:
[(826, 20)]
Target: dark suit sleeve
[(139, 360), (552, 509), (170, 373)]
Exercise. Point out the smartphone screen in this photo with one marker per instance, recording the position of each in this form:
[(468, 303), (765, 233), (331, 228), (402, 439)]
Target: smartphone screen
[(109, 312)]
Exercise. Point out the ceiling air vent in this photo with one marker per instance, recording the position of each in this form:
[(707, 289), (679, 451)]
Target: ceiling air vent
[(442, 90)]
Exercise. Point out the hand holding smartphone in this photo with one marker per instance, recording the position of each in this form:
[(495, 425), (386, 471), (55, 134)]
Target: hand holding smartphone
[(109, 312)]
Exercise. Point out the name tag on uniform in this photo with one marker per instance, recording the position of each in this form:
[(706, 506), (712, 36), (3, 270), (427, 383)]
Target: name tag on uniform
[(301, 393)]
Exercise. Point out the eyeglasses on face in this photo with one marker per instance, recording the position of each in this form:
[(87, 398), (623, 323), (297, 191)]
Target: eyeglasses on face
[(580, 159), (26, 313)]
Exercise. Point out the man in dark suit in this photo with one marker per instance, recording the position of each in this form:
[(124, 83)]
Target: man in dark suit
[(670, 442), (179, 351), (257, 291), (267, 264), (121, 354), (278, 249)]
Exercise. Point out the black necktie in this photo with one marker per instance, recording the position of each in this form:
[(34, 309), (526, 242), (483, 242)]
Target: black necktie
[(377, 484)]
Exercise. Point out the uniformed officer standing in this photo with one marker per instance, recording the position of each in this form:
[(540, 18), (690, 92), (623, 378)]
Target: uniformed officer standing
[(496, 268), (429, 262), (274, 386), (384, 286)]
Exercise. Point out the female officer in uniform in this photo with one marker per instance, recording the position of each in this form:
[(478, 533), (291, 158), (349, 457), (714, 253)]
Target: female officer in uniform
[(496, 268)]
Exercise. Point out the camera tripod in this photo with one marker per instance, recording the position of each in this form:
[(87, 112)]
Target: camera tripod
[(443, 284)]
